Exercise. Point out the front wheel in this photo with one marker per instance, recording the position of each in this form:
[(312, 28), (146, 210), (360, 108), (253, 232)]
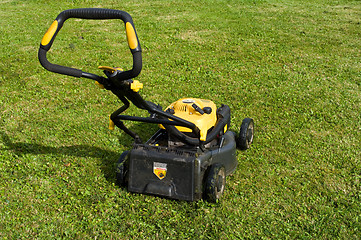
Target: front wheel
[(122, 169), (246, 132), (215, 183)]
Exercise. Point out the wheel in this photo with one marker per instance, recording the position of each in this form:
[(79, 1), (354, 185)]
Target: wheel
[(246, 131), (215, 183), (122, 169)]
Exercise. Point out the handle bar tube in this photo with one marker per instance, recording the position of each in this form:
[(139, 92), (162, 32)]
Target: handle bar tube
[(98, 14)]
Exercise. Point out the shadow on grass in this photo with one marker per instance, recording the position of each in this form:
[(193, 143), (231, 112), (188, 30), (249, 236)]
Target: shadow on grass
[(108, 158)]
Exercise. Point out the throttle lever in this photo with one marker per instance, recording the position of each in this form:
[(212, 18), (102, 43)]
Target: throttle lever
[(197, 108)]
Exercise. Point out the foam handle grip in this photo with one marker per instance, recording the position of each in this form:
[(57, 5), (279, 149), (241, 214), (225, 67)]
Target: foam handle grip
[(90, 13)]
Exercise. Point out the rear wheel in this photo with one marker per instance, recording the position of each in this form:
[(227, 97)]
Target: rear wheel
[(122, 169), (245, 137), (215, 183)]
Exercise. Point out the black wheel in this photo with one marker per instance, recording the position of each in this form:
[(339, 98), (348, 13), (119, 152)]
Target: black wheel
[(215, 183), (245, 137), (122, 169)]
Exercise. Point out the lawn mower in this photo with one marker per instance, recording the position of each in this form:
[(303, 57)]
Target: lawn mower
[(192, 152)]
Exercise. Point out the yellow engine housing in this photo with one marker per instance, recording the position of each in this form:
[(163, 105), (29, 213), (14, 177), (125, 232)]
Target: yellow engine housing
[(183, 109)]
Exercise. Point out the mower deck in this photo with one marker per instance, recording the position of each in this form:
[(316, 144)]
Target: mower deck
[(174, 172)]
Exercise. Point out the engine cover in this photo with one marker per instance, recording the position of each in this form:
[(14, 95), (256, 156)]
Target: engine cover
[(201, 112)]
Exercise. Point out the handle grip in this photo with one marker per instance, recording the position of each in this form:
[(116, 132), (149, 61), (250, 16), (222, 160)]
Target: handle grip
[(91, 13)]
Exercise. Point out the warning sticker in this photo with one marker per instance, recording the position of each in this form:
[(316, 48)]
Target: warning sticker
[(160, 169)]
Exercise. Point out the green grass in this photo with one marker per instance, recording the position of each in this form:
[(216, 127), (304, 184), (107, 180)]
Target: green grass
[(293, 66)]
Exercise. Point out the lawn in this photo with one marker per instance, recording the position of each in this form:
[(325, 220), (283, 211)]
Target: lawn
[(294, 66)]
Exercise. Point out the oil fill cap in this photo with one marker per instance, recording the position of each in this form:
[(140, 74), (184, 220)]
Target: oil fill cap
[(207, 110)]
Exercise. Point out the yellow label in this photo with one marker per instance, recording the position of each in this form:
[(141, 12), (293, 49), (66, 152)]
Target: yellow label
[(160, 169), (225, 128), (132, 38), (160, 173), (50, 33)]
